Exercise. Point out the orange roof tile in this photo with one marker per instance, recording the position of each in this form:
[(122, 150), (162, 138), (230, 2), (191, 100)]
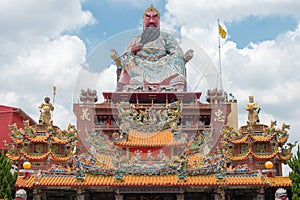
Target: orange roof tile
[(166, 180), (279, 181), (44, 156), (12, 157), (35, 157), (257, 156), (39, 138), (270, 156), (239, 141), (256, 138), (17, 141), (237, 157), (140, 139), (260, 138)]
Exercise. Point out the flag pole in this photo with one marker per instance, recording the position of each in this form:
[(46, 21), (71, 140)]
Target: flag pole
[(220, 64), (54, 93)]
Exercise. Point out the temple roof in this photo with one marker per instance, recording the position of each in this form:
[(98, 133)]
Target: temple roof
[(141, 139), (37, 134), (155, 180), (259, 138), (254, 155), (275, 138), (39, 157)]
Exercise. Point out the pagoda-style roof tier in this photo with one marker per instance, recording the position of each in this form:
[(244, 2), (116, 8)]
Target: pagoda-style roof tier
[(155, 140), (69, 181), (39, 157), (41, 142), (42, 139), (149, 97), (270, 142), (41, 133), (259, 138), (258, 156)]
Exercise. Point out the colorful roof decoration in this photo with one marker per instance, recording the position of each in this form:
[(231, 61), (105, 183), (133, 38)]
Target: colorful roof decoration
[(149, 120), (243, 180), (37, 136), (258, 134), (144, 139)]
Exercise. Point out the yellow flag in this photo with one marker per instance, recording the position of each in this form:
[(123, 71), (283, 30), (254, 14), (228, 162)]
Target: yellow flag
[(222, 32), (54, 90)]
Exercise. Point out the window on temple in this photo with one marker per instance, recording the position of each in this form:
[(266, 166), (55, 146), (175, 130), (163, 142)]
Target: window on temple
[(207, 120), (55, 148), (38, 148), (103, 121), (243, 148), (260, 147)]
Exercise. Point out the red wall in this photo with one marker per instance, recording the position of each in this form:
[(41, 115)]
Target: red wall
[(8, 116)]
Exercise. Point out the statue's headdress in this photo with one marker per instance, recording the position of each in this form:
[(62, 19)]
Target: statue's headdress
[(47, 98), (151, 9)]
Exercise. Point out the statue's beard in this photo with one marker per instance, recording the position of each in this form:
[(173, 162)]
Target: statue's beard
[(150, 34)]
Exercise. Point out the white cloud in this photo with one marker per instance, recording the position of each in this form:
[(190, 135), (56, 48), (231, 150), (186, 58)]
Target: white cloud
[(35, 53), (31, 18), (32, 76), (205, 12)]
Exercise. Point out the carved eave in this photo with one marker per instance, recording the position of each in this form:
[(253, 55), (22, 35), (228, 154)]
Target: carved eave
[(42, 157), (69, 181), (256, 138), (254, 155)]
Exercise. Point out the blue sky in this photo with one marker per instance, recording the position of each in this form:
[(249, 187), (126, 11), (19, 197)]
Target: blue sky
[(46, 43), (112, 19), (257, 29)]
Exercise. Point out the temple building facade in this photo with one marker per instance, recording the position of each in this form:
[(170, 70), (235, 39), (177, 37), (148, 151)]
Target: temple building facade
[(152, 139)]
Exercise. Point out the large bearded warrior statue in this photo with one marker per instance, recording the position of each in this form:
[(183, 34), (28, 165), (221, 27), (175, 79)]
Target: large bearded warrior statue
[(154, 58)]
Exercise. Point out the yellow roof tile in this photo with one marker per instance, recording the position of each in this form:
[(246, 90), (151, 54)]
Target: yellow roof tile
[(39, 138), (140, 139), (166, 180), (255, 155)]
